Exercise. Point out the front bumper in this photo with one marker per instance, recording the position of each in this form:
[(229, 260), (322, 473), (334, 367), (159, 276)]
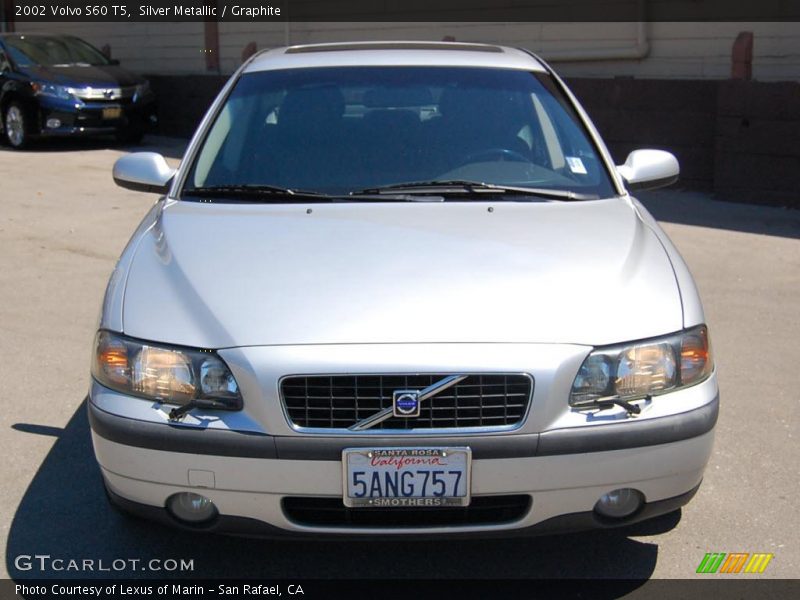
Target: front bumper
[(252, 462), (85, 119), (248, 476)]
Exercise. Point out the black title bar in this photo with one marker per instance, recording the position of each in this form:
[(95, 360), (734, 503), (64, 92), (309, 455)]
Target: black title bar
[(401, 589), (265, 11)]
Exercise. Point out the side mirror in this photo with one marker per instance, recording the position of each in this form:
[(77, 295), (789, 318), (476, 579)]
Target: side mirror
[(143, 172), (649, 169)]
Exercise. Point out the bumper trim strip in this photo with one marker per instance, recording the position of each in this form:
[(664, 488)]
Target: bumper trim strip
[(631, 433), (483, 446), (178, 438), (575, 440)]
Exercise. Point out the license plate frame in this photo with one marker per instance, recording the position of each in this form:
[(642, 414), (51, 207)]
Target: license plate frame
[(450, 459), (112, 113)]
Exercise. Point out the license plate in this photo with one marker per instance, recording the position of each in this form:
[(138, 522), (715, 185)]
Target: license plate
[(406, 477), (114, 112)]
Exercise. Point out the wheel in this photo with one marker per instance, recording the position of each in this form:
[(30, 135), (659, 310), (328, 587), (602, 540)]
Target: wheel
[(130, 135), (16, 126)]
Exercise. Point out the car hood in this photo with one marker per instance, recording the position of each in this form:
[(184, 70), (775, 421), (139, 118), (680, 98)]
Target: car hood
[(224, 275), (93, 76)]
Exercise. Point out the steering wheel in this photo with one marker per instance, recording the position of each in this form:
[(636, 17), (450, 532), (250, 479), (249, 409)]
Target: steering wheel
[(505, 154)]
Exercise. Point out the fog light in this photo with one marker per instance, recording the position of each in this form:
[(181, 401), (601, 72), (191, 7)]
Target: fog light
[(191, 508), (53, 123), (619, 503)]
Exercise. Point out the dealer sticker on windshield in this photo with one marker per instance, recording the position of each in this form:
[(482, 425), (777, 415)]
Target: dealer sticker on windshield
[(575, 165), (406, 477)]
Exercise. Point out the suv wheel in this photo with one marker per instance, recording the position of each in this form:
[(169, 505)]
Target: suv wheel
[(16, 125)]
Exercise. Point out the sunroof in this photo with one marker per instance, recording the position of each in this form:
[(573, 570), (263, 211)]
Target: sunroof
[(393, 46)]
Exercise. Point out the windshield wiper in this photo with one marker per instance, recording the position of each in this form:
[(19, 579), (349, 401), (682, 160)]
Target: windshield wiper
[(264, 192), (253, 191), (417, 191), (472, 188)]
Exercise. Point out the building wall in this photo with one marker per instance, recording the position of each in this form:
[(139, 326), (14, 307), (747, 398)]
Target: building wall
[(676, 50), (142, 47)]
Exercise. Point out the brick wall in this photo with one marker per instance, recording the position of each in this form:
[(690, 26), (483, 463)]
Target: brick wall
[(757, 150), (739, 139)]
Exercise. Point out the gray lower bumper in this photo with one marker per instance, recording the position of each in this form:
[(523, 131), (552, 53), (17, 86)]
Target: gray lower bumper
[(244, 526)]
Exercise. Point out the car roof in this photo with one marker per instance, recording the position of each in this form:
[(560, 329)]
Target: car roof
[(361, 54)]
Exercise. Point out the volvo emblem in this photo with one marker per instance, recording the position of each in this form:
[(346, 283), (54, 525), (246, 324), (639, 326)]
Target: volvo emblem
[(405, 403)]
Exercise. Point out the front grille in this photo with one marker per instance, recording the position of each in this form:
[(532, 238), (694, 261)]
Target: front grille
[(330, 512), (105, 94), (339, 401)]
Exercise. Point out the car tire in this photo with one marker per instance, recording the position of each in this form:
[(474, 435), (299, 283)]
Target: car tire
[(16, 126)]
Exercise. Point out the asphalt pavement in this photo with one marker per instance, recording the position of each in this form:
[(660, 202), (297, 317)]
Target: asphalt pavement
[(63, 223)]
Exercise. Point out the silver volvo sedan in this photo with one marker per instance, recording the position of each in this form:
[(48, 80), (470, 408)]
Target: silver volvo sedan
[(400, 289)]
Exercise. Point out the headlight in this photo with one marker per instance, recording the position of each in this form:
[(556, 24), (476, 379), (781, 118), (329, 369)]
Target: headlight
[(647, 368), (55, 91), (158, 372)]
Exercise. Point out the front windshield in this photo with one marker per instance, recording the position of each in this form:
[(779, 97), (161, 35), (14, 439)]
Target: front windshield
[(345, 129), (52, 51)]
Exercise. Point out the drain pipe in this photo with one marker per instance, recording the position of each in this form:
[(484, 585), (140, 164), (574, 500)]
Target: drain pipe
[(638, 51)]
